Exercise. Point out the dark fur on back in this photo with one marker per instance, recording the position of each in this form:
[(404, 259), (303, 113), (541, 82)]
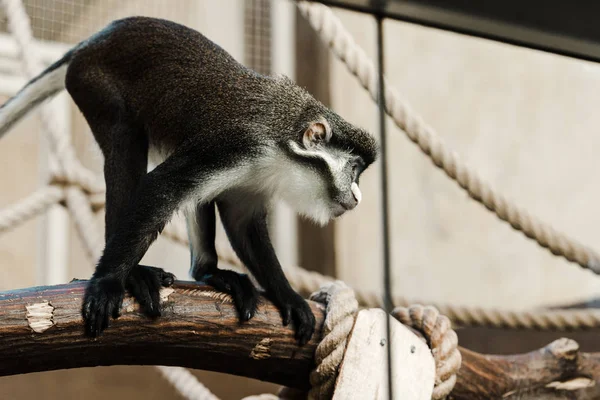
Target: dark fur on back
[(215, 93)]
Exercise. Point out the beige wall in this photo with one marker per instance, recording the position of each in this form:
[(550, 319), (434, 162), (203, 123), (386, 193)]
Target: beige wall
[(525, 120)]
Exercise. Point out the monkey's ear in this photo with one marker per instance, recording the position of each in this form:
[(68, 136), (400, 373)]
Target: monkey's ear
[(318, 132)]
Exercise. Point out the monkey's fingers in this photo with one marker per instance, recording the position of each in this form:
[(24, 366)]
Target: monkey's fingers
[(144, 284), (165, 278), (295, 309), (239, 286), (103, 298)]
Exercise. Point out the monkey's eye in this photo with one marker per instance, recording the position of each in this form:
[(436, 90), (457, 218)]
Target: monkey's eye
[(354, 171)]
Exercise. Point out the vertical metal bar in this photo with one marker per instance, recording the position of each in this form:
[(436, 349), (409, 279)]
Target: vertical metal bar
[(387, 299)]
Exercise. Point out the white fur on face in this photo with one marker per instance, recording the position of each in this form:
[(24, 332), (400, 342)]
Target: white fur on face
[(337, 162), (300, 187), (274, 175)]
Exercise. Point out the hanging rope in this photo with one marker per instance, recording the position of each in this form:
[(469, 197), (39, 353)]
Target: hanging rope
[(341, 42)]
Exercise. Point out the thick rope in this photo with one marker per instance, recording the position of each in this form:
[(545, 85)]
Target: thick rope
[(27, 208), (188, 386), (340, 314), (442, 341), (332, 32)]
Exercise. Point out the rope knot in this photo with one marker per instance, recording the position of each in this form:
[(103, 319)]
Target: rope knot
[(341, 310), (442, 340)]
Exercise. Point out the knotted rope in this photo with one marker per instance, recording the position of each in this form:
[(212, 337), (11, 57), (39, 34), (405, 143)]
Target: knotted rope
[(341, 311), (442, 341)]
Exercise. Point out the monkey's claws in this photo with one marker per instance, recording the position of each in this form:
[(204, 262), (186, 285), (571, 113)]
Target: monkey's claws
[(144, 285), (103, 298), (295, 309), (239, 286)]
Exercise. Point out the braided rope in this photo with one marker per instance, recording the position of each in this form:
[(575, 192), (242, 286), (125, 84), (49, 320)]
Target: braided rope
[(27, 208), (188, 386), (342, 308), (442, 341), (341, 42)]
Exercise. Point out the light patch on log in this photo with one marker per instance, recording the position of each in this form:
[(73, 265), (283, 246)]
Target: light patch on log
[(564, 348), (262, 350), (165, 292), (130, 305), (364, 373), (573, 384), (39, 316)]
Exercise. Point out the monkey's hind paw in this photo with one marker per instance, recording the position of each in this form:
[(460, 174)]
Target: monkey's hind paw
[(297, 310), (144, 285), (244, 294), (103, 298)]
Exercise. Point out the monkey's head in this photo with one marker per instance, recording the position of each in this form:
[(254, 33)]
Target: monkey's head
[(331, 155)]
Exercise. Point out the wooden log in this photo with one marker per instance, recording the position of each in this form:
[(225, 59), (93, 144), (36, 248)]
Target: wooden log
[(41, 330), (557, 371)]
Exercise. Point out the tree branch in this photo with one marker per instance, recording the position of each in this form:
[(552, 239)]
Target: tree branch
[(557, 371), (199, 328)]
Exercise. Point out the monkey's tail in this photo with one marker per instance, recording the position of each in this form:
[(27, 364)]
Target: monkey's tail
[(48, 83)]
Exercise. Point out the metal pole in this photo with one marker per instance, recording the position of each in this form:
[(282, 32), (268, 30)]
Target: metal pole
[(387, 300)]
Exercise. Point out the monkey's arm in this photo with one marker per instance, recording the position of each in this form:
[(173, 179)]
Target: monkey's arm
[(159, 194), (247, 231)]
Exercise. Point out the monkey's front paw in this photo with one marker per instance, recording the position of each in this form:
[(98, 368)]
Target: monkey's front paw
[(144, 284), (103, 298), (297, 310), (244, 294)]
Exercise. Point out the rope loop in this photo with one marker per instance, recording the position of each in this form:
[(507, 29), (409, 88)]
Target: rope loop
[(341, 310), (442, 341)]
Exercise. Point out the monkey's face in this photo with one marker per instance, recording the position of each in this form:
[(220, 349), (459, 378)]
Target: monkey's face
[(327, 185)]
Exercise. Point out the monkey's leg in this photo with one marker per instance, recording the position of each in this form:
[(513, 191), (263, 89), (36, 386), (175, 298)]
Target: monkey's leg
[(201, 227), (125, 164), (249, 237), (201, 224), (158, 195)]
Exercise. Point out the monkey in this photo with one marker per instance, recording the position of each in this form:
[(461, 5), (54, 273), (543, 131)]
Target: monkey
[(223, 137)]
